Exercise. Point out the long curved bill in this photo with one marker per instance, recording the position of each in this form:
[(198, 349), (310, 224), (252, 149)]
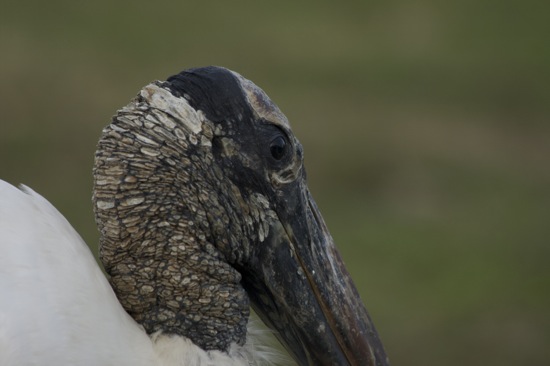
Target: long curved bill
[(300, 287)]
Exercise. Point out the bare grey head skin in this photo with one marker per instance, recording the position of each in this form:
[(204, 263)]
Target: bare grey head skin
[(201, 199)]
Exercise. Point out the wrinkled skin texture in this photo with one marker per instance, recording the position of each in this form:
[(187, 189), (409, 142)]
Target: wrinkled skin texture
[(202, 203)]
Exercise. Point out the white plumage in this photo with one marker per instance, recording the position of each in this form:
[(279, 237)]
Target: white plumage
[(57, 308)]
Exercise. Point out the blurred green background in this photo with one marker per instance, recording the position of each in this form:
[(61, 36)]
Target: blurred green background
[(426, 127)]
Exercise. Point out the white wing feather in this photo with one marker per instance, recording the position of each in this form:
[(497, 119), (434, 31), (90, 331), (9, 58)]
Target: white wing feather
[(56, 306)]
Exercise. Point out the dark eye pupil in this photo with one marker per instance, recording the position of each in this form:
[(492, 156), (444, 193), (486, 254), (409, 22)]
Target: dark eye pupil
[(278, 148)]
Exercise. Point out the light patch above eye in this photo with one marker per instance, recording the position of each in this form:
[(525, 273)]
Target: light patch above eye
[(261, 105)]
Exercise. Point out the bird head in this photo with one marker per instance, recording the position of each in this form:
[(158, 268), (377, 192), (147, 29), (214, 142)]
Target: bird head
[(201, 198)]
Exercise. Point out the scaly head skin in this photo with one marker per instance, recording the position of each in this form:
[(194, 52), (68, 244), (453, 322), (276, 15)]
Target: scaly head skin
[(203, 208)]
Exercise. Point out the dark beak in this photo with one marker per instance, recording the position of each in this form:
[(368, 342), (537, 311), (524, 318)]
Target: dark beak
[(300, 287)]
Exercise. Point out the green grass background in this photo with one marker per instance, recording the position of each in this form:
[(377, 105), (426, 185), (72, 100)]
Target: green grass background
[(426, 127)]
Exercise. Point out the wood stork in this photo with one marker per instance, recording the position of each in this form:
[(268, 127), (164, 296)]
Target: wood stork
[(201, 201)]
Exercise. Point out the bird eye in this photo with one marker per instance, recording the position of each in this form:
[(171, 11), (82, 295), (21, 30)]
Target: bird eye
[(278, 147)]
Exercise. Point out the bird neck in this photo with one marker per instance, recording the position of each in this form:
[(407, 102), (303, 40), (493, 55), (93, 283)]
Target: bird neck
[(178, 288), (163, 238)]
